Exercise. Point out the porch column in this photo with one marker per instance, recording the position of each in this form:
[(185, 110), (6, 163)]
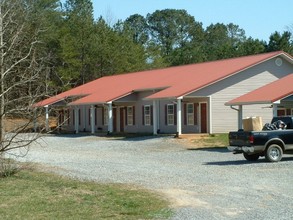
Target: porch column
[(110, 115), (47, 117), (275, 110), (210, 130), (76, 119), (155, 118), (84, 118), (240, 116), (92, 119), (179, 120), (35, 120)]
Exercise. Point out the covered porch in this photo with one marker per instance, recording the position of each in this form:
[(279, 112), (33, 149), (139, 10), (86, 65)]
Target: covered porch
[(135, 114), (278, 95)]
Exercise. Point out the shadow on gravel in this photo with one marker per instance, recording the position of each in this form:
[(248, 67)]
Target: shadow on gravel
[(138, 138), (289, 158), (114, 137), (211, 149), (79, 135), (231, 163), (245, 162)]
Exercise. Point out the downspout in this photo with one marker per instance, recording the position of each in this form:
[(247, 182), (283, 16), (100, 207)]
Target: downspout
[(240, 115)]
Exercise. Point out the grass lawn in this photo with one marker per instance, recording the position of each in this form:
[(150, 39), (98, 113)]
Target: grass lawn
[(31, 194), (213, 140)]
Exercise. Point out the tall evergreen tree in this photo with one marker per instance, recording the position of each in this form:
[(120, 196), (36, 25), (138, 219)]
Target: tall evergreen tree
[(171, 29), (223, 41), (138, 27), (252, 46), (76, 42), (281, 42)]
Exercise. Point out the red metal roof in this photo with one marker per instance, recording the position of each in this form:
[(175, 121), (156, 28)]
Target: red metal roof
[(177, 81), (270, 93)]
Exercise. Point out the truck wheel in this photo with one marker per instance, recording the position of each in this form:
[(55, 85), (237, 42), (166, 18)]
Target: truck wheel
[(251, 157), (274, 153)]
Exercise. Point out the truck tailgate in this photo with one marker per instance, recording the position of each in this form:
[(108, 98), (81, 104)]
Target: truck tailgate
[(239, 138)]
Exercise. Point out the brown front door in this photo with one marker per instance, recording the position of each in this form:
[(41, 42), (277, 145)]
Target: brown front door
[(203, 118), (121, 120), (114, 119)]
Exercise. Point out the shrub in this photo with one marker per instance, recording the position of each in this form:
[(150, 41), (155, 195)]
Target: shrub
[(8, 167)]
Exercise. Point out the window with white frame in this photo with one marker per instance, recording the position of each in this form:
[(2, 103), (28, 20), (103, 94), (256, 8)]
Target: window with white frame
[(190, 114), (170, 114), (147, 115), (130, 115), (106, 116)]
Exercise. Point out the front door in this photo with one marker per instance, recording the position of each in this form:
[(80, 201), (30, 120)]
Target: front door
[(114, 119), (203, 118), (121, 119)]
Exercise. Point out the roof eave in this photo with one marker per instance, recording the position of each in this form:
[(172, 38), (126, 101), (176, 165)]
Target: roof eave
[(249, 103)]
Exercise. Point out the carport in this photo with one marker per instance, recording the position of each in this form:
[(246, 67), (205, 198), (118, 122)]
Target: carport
[(279, 94)]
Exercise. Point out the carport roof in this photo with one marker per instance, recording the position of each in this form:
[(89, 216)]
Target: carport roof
[(267, 94)]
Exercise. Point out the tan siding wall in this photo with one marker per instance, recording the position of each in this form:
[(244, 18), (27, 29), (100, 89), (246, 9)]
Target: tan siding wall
[(225, 119)]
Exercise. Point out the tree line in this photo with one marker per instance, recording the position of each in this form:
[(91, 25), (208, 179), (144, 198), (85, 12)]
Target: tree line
[(75, 48)]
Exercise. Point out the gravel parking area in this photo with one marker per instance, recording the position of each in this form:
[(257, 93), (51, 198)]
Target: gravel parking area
[(201, 184)]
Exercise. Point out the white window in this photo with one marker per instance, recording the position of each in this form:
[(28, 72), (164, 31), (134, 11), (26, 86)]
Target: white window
[(147, 115), (190, 114), (130, 115), (170, 114), (106, 116)]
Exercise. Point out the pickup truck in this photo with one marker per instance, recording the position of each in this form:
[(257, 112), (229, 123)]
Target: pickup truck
[(268, 143)]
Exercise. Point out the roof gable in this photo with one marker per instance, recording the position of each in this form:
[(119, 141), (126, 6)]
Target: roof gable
[(270, 93)]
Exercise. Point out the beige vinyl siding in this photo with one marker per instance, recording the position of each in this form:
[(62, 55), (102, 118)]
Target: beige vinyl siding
[(224, 118)]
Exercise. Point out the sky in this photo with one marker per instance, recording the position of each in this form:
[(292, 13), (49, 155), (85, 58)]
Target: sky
[(259, 18)]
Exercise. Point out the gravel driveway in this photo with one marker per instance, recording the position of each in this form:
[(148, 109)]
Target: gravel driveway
[(201, 184)]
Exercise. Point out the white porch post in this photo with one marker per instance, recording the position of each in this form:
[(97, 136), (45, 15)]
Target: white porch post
[(92, 119), (240, 116), (179, 120), (110, 115), (84, 118), (35, 120), (155, 118), (275, 110), (76, 119), (210, 116), (47, 117)]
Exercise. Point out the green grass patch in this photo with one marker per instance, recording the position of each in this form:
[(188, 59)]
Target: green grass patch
[(31, 194), (213, 140)]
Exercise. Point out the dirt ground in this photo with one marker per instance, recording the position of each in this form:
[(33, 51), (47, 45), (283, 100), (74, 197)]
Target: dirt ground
[(16, 124)]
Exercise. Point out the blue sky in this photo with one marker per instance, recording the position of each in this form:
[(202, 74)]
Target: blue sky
[(259, 18)]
